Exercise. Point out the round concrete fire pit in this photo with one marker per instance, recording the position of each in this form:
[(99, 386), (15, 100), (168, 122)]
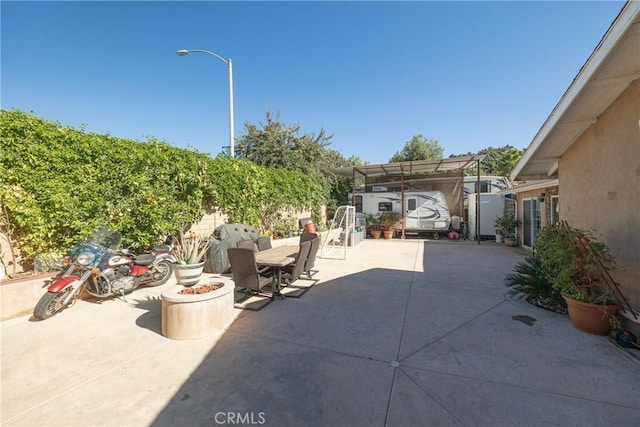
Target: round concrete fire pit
[(193, 316)]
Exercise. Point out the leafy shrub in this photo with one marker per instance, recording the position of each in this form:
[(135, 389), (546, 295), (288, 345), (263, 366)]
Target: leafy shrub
[(572, 260), (58, 184)]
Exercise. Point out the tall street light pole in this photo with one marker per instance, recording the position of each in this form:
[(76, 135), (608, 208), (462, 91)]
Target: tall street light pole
[(183, 52)]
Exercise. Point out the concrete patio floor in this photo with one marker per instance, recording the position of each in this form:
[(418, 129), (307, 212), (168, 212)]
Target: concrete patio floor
[(402, 333)]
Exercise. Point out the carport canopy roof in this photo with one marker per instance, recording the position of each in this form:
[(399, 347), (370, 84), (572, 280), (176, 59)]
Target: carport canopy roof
[(412, 167)]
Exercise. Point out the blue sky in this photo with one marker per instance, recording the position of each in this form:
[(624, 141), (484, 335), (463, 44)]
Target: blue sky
[(373, 74)]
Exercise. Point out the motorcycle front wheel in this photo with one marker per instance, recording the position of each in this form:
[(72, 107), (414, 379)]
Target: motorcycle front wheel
[(162, 273), (52, 302)]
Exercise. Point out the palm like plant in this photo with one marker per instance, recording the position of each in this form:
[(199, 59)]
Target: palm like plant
[(528, 280)]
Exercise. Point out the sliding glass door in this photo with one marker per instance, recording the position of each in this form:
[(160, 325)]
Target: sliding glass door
[(531, 221)]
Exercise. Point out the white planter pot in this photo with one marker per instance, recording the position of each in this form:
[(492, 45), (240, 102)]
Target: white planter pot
[(188, 274)]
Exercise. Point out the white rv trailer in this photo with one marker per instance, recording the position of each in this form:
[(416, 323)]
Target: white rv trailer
[(423, 210), (490, 204), (488, 184)]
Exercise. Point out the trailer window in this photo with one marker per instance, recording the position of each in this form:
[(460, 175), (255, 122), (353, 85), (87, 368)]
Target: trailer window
[(384, 207), (485, 186), (411, 204)]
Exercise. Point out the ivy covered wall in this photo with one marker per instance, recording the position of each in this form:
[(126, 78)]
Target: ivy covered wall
[(59, 183)]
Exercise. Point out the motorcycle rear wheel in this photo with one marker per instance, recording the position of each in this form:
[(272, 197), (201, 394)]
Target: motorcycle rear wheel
[(52, 302), (163, 272)]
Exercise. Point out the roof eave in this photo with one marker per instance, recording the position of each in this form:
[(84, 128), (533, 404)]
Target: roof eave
[(616, 31)]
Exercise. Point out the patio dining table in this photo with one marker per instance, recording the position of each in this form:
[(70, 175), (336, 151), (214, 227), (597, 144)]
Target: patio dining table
[(277, 258)]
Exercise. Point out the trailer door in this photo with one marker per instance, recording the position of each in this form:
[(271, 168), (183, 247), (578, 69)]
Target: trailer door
[(413, 215)]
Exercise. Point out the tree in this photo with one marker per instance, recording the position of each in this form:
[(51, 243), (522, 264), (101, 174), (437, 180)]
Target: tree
[(497, 161), (278, 145), (340, 186), (274, 144), (419, 148)]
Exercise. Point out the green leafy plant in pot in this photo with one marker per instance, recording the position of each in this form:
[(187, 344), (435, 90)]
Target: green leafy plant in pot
[(373, 222), (573, 261), (507, 224), (389, 221)]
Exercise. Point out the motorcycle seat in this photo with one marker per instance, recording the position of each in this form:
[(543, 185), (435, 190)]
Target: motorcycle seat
[(144, 259), (161, 248)]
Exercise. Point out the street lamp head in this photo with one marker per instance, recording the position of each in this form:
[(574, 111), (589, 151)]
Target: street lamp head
[(183, 52)]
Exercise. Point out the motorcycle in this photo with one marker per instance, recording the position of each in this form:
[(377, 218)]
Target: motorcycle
[(98, 266)]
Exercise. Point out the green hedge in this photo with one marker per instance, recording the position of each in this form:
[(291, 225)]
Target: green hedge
[(60, 183)]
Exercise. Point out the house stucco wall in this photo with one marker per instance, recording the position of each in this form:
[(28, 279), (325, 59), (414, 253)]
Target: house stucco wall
[(599, 189)]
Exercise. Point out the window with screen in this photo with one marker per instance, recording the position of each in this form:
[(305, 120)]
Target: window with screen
[(384, 207)]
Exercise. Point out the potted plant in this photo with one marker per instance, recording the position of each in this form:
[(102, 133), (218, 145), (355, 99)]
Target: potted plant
[(190, 254), (373, 223), (388, 222), (507, 224), (575, 262)]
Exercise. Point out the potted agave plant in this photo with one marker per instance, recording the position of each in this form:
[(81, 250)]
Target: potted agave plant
[(190, 254)]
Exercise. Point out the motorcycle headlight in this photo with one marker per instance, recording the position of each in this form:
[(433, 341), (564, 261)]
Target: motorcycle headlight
[(85, 258)]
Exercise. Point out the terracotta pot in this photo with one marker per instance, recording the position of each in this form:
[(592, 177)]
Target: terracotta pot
[(376, 234), (590, 318), (308, 225), (388, 234)]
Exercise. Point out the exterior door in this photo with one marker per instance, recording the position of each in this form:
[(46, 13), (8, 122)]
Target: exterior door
[(411, 213), (554, 211), (531, 221)]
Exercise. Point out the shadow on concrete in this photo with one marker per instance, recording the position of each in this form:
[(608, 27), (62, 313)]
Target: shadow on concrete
[(152, 318), (437, 345), (401, 333)]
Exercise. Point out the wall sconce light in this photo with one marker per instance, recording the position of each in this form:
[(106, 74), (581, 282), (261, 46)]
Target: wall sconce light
[(541, 197)]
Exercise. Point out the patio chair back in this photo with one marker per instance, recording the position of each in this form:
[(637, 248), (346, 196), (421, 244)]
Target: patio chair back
[(245, 271), (264, 243), (247, 244), (311, 259), (306, 237), (298, 267)]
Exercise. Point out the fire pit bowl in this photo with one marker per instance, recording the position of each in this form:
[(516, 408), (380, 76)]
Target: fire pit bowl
[(201, 311)]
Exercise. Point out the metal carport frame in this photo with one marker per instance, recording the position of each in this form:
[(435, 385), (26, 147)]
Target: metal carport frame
[(404, 171)]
